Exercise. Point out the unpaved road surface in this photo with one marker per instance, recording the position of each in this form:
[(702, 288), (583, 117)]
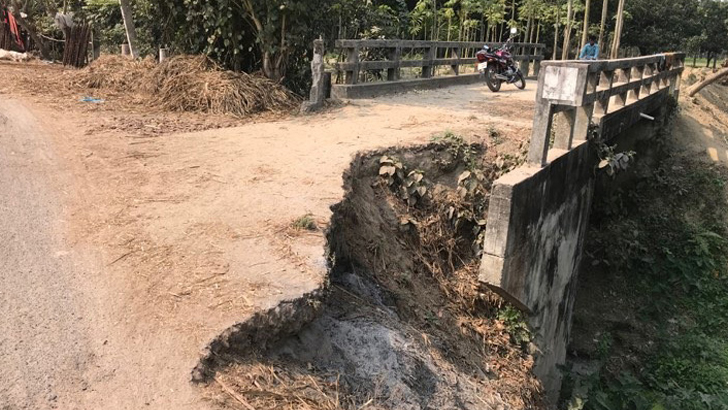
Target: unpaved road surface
[(43, 340), (123, 252)]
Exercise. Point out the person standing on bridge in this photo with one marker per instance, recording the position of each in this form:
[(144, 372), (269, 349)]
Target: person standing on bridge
[(590, 50)]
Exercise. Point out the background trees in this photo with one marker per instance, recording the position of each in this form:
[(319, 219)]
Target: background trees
[(274, 36)]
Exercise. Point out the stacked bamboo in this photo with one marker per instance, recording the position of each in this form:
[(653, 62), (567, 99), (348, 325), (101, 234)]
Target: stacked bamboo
[(76, 47)]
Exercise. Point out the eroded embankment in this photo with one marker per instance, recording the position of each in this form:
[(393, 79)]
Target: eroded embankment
[(402, 321)]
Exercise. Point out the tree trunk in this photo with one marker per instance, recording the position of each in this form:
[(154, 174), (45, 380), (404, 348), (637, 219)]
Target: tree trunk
[(567, 31), (435, 29), (605, 9), (585, 30), (128, 17), (709, 80), (556, 30), (618, 30), (42, 45)]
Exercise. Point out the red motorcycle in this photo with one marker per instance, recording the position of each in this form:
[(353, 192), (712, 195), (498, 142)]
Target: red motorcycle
[(497, 66)]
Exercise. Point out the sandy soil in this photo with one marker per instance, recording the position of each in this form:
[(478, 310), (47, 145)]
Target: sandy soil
[(167, 238)]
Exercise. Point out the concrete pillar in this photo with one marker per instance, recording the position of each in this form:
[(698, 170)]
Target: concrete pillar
[(582, 122), (163, 54), (317, 95), (564, 127), (541, 133)]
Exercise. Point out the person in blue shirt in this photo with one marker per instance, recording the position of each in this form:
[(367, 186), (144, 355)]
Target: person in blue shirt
[(590, 50)]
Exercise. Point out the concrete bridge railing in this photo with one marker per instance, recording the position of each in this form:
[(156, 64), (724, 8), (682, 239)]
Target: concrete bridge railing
[(606, 93), (539, 213), (393, 56)]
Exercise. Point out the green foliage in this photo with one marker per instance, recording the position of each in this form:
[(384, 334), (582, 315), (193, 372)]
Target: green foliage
[(669, 237), (515, 323), (105, 16), (659, 25), (460, 150), (408, 185), (613, 162), (306, 222)]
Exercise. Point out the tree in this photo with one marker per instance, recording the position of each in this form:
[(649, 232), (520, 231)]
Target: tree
[(713, 16), (128, 18), (33, 10), (585, 29), (567, 30), (656, 26), (618, 30), (605, 6)]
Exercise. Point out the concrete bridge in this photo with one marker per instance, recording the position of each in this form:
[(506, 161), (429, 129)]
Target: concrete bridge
[(539, 213)]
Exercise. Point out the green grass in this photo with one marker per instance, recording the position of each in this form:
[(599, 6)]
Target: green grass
[(306, 222), (700, 62)]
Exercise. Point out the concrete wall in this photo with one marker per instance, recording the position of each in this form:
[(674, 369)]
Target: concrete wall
[(536, 227), (377, 89)]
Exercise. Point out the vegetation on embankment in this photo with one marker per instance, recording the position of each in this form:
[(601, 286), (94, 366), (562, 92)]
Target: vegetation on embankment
[(651, 317)]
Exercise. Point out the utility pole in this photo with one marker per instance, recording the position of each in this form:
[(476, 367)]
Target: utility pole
[(128, 17), (605, 6), (618, 30)]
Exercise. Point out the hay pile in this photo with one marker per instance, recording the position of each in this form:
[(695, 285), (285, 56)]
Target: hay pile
[(114, 73), (188, 83), (195, 83)]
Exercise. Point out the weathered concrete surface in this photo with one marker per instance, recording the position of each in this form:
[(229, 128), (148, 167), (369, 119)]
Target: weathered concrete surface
[(371, 90), (536, 228), (317, 95)]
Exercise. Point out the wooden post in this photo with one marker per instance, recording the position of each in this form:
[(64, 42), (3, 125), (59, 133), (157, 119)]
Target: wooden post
[(455, 54), (526, 62), (352, 75), (395, 54), (427, 64)]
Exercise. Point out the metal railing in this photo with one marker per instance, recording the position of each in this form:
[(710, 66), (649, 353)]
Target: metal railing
[(596, 92), (392, 56)]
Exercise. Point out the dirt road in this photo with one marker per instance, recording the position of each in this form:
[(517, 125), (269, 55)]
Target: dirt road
[(44, 345), (124, 253)]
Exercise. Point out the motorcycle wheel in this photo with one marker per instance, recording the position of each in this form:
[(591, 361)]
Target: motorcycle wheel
[(493, 83), (520, 82)]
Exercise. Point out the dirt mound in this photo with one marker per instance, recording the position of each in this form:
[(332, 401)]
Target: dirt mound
[(186, 83), (404, 323)]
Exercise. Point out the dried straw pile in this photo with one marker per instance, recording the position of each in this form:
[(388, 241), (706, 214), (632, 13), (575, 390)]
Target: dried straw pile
[(114, 73), (195, 83), (187, 83)]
